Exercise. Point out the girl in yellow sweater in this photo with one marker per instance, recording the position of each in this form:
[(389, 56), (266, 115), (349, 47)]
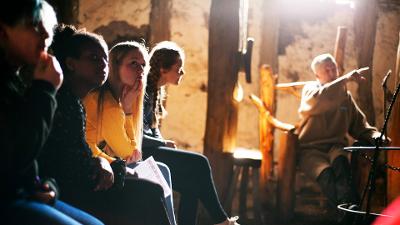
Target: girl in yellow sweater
[(115, 110)]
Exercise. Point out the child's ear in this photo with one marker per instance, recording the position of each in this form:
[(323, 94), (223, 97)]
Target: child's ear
[(163, 70)]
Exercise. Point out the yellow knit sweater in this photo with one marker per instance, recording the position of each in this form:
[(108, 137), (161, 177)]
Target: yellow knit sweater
[(110, 125)]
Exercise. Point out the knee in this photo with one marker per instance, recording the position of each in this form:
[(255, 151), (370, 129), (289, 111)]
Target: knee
[(151, 189), (203, 163), (164, 169), (341, 163), (326, 176), (340, 160)]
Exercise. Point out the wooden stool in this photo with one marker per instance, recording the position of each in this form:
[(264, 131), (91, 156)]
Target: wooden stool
[(244, 162)]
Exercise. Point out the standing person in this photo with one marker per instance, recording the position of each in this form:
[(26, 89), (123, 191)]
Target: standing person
[(115, 110), (191, 172), (328, 113), (26, 116), (88, 181)]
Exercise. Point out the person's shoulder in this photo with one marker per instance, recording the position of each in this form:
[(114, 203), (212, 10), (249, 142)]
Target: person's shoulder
[(311, 85), (91, 98)]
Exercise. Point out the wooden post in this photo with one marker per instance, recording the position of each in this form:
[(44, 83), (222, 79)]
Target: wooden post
[(340, 47), (222, 110), (270, 34), (365, 20), (267, 95), (393, 177), (286, 175), (160, 17), (67, 11)]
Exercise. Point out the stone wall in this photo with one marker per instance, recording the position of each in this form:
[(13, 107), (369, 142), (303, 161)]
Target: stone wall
[(186, 104)]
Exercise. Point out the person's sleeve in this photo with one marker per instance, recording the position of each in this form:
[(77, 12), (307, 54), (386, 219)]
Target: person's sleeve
[(116, 135), (32, 122), (97, 152), (316, 99), (360, 129), (90, 104)]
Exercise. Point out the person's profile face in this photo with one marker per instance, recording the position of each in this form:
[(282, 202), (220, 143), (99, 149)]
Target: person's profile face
[(326, 72), (174, 74), (92, 65), (25, 41)]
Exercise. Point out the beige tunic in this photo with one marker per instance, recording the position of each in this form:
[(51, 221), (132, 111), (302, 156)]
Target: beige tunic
[(328, 113)]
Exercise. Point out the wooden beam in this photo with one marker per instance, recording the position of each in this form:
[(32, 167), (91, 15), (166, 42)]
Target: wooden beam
[(267, 95), (286, 175), (67, 11), (270, 34), (222, 109), (393, 177), (160, 17), (340, 46), (365, 19)]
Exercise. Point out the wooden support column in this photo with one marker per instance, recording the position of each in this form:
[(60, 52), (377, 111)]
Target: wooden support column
[(222, 110), (286, 175), (160, 17), (365, 19), (270, 34), (67, 11), (268, 56), (393, 177), (340, 47), (267, 95)]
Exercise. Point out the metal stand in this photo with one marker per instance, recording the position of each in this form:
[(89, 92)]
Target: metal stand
[(370, 188)]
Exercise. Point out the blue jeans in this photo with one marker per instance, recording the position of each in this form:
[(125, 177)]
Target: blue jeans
[(36, 213), (169, 201)]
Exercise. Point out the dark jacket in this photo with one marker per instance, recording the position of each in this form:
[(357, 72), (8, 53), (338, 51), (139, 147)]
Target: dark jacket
[(26, 115)]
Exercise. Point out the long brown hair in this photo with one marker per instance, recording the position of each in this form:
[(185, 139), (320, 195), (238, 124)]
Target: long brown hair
[(163, 56), (116, 55)]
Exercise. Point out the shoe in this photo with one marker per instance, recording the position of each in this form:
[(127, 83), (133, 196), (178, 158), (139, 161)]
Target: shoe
[(348, 218), (230, 221)]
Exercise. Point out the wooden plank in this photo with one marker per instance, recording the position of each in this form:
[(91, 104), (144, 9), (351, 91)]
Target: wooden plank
[(340, 46), (393, 177), (160, 17), (67, 11), (365, 19), (270, 34), (222, 110), (286, 175), (267, 96)]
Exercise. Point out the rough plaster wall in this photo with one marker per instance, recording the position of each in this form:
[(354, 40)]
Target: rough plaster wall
[(189, 28), (386, 42), (248, 130), (319, 38), (294, 65), (187, 104), (96, 13)]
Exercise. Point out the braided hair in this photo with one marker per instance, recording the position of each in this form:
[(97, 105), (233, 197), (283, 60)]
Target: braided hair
[(163, 56)]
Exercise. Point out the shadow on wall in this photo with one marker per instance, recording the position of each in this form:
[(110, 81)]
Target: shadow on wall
[(118, 31)]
